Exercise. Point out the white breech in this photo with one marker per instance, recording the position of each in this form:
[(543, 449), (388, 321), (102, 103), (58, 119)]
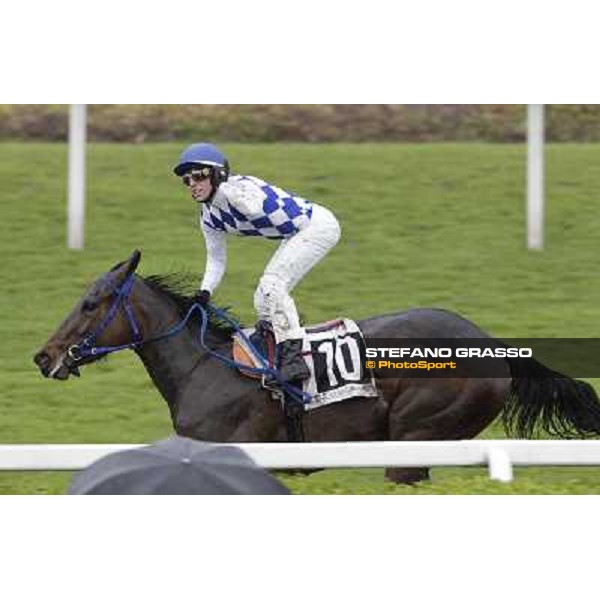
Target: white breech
[(294, 258)]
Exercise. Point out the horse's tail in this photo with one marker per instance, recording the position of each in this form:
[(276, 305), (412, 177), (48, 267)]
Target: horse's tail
[(540, 398)]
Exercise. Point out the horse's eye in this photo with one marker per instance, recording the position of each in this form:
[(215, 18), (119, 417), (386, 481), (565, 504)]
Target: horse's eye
[(89, 306)]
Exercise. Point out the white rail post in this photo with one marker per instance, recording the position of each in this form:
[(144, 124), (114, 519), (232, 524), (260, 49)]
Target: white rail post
[(76, 200), (499, 465), (535, 176)]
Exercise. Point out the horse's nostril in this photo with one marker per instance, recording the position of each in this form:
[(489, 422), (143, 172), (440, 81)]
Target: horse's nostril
[(41, 359)]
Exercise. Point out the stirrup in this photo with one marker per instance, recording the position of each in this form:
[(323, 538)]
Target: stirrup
[(274, 388), (270, 383)]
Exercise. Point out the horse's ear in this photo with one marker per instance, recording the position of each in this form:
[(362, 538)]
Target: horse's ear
[(134, 261), (127, 267)]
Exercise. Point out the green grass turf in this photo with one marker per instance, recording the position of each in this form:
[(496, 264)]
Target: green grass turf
[(423, 225)]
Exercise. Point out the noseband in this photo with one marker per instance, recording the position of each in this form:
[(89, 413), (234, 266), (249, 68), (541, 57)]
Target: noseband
[(87, 347)]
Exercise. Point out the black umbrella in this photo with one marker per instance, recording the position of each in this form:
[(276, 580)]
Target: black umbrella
[(177, 466)]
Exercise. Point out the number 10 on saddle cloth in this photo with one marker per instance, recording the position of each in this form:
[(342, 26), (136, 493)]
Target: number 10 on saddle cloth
[(335, 355)]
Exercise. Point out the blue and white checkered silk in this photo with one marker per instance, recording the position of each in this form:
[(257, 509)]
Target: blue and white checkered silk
[(276, 214)]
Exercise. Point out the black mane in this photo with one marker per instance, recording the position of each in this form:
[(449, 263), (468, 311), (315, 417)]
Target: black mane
[(179, 288)]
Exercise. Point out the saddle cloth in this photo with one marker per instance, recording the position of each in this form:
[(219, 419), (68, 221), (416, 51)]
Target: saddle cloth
[(335, 355)]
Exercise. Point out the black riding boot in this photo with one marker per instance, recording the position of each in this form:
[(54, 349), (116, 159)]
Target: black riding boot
[(292, 365)]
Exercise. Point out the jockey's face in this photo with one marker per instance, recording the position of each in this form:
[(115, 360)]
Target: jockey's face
[(199, 184)]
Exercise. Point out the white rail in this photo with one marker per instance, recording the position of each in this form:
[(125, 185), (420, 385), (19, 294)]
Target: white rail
[(499, 455)]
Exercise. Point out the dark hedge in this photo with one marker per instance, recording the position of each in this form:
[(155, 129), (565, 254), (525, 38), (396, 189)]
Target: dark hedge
[(301, 122)]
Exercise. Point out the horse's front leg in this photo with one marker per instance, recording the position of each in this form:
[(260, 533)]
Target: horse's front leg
[(264, 422), (247, 415)]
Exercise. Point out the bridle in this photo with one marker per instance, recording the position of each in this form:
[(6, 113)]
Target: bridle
[(87, 346)]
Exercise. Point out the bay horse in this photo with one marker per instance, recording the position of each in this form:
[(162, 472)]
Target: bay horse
[(208, 400)]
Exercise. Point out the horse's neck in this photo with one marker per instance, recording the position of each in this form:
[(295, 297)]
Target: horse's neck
[(169, 362)]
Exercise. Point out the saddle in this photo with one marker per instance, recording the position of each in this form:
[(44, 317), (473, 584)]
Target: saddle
[(263, 341), (252, 347), (333, 352)]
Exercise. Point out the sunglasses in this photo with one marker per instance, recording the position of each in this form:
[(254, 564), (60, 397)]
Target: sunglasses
[(195, 176)]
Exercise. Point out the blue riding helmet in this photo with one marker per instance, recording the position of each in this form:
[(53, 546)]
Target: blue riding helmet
[(204, 155)]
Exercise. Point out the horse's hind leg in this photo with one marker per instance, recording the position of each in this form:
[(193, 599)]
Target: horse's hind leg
[(442, 409), (409, 420)]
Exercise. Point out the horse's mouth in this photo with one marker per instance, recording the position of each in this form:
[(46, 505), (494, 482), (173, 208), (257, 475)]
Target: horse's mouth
[(62, 370)]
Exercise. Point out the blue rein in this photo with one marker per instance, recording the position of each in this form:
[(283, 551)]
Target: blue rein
[(87, 347)]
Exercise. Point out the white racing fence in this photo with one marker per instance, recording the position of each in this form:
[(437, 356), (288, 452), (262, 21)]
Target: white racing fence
[(499, 455)]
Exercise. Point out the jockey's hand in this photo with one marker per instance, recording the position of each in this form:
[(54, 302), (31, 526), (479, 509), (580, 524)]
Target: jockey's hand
[(202, 298)]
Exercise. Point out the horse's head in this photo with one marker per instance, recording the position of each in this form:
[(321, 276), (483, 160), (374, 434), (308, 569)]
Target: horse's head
[(103, 316)]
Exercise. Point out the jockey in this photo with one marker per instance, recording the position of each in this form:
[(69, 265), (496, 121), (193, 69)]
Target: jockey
[(247, 206)]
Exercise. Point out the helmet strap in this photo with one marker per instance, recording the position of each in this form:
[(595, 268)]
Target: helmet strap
[(218, 175)]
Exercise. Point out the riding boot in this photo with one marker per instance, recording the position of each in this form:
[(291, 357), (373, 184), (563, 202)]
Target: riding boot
[(292, 365)]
